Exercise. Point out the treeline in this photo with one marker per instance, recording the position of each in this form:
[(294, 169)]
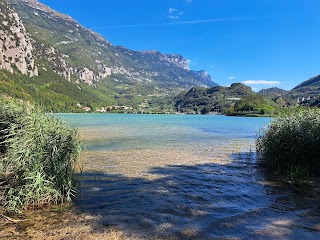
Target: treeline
[(254, 104)]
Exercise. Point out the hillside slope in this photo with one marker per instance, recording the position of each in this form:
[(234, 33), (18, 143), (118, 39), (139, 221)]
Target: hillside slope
[(310, 87), (220, 98)]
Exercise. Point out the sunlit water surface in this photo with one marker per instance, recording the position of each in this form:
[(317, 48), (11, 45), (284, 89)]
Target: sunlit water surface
[(184, 177)]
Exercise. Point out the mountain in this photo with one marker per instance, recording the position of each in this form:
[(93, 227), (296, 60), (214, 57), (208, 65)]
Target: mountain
[(311, 87), (314, 81), (55, 61), (274, 91), (219, 98), (307, 93), (304, 94)]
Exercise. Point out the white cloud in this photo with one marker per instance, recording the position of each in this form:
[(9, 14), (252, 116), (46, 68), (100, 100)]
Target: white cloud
[(260, 82), (174, 13), (232, 77), (189, 61), (173, 17), (172, 10), (188, 1)]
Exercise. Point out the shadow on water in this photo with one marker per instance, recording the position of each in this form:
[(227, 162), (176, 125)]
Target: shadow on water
[(204, 201)]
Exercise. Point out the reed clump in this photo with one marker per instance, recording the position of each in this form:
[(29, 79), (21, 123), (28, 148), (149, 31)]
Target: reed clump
[(290, 145), (37, 157)]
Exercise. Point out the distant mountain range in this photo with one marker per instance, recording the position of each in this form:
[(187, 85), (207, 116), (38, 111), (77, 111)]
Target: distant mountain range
[(239, 99), (48, 58), (308, 88), (306, 94), (68, 64)]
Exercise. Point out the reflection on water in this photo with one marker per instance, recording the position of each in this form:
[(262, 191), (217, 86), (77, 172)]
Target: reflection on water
[(185, 177)]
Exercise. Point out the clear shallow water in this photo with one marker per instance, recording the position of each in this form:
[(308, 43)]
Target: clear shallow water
[(184, 177)]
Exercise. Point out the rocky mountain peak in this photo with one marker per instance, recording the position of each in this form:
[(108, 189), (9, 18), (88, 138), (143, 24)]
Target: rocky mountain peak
[(175, 59), (204, 75)]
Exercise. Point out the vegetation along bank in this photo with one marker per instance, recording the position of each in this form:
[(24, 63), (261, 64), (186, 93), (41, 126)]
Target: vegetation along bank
[(37, 157), (290, 146)]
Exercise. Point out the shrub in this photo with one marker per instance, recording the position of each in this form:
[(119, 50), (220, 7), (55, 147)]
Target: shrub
[(292, 142), (37, 157), (205, 110)]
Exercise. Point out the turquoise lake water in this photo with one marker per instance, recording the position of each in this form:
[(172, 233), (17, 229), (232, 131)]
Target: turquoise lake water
[(184, 177), (163, 131)]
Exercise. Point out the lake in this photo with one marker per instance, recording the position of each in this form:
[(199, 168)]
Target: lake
[(184, 177)]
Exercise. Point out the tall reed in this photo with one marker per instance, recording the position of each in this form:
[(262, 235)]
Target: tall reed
[(292, 142), (37, 157)]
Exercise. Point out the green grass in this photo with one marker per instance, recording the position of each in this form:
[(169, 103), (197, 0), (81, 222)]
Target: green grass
[(37, 157), (291, 145)]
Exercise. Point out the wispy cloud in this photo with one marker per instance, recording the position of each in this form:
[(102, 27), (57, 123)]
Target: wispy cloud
[(188, 1), (201, 21), (260, 82), (213, 66), (232, 77), (173, 16), (174, 13), (172, 10)]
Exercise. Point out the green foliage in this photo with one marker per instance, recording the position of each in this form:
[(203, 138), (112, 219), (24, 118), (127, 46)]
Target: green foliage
[(254, 103), (37, 157), (211, 98), (51, 91), (205, 110), (291, 144)]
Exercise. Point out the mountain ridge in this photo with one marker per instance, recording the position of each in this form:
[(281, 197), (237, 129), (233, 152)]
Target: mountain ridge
[(315, 81), (63, 47)]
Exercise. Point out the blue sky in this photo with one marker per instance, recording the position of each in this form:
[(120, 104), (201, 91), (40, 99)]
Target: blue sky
[(263, 43)]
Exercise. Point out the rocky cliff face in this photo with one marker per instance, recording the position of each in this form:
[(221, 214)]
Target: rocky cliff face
[(51, 46), (204, 75), (16, 50), (175, 59)]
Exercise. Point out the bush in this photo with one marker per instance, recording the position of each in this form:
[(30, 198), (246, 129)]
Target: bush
[(205, 110), (37, 157), (292, 142)]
